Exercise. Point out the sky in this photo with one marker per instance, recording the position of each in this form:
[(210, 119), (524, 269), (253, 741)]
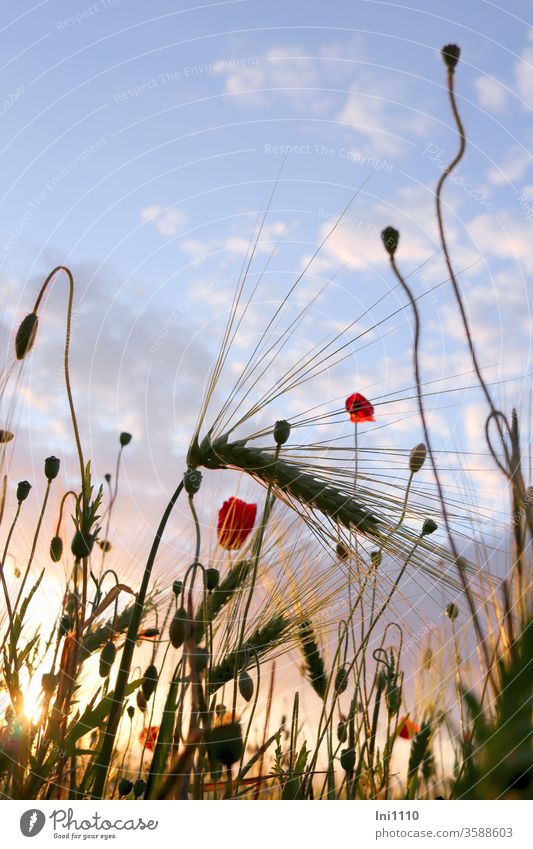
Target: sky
[(140, 145)]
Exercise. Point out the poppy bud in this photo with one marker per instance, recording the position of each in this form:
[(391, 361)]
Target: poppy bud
[(224, 743), (26, 335), (125, 438), (429, 527), (138, 788), (199, 659), (246, 686), (66, 624), (107, 477), (82, 545), (450, 54), (104, 545), (417, 457), (51, 468), (149, 683), (342, 731), (212, 577), (131, 711), (149, 633), (341, 680), (23, 490), (348, 760), (177, 587), (452, 611), (192, 481), (124, 787), (107, 659), (49, 683), (375, 558), (5, 436), (178, 627), (390, 238), (282, 431), (56, 549), (141, 701)]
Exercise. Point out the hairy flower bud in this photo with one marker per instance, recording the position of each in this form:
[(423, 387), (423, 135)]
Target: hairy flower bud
[(417, 457), (192, 481), (149, 682), (390, 238), (56, 549), (224, 743), (138, 788), (342, 731), (348, 759), (452, 611), (51, 468), (107, 659), (450, 54), (246, 685), (282, 431), (125, 438), (177, 587), (178, 627), (125, 786), (212, 577), (429, 527), (82, 545), (26, 335), (23, 490), (131, 711), (341, 680), (5, 436)]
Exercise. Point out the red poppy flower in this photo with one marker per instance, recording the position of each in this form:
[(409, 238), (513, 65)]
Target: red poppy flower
[(408, 729), (359, 408), (148, 736), (235, 521)]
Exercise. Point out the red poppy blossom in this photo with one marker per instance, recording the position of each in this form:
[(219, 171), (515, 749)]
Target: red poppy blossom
[(235, 521), (359, 408), (148, 736), (408, 729)]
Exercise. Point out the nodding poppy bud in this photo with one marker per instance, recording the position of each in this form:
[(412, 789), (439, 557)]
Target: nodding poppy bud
[(212, 577), (138, 788), (105, 545), (341, 680), (282, 431), (65, 624), (82, 545), (199, 659), (141, 701), (150, 679), (342, 551), (49, 683), (26, 335), (375, 558), (107, 659), (246, 686), (23, 490), (348, 760), (51, 468), (452, 611), (417, 457), (192, 481), (56, 549), (5, 436), (178, 628), (131, 711), (125, 438), (125, 787), (450, 54), (342, 731), (177, 587), (429, 527), (390, 238), (224, 743)]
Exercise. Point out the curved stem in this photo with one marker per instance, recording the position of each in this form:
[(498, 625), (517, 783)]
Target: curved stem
[(6, 549), (33, 547)]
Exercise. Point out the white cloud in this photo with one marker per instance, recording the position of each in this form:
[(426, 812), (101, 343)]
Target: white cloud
[(512, 169), (168, 222), (523, 71), (491, 94)]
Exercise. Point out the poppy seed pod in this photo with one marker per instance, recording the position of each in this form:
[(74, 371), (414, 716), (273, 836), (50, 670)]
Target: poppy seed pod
[(212, 577), (51, 468), (56, 549), (342, 731), (82, 545), (49, 683), (224, 743), (177, 587), (417, 457), (192, 481), (429, 527), (282, 431), (138, 788), (348, 760), (125, 786), (390, 238), (246, 685), (107, 659), (341, 680), (141, 701), (452, 611), (131, 711), (178, 628), (450, 54), (125, 438), (150, 680), (5, 436), (26, 335), (23, 490)]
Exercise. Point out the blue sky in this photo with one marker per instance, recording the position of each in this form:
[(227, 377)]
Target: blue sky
[(139, 143)]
